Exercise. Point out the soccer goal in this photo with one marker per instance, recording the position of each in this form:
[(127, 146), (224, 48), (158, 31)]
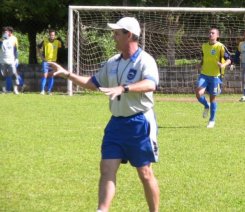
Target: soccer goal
[(173, 36)]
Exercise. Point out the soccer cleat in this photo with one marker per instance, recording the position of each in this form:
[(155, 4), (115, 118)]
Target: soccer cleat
[(42, 93), (205, 112), (242, 99), (49, 93), (211, 124)]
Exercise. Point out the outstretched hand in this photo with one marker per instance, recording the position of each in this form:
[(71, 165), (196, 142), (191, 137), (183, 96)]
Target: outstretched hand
[(58, 70), (112, 92)]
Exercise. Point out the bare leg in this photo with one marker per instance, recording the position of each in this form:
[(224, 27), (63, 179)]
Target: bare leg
[(212, 98), (107, 183), (151, 188), (199, 92)]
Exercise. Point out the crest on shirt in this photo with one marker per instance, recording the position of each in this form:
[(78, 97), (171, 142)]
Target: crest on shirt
[(131, 74), (213, 52)]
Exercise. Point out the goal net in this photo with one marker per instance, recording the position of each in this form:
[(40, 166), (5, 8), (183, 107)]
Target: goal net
[(173, 36)]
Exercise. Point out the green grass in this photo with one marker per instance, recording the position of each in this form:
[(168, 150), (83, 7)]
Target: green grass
[(50, 153)]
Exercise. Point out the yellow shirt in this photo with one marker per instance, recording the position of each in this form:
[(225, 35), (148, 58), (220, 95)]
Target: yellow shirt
[(51, 50), (212, 54)]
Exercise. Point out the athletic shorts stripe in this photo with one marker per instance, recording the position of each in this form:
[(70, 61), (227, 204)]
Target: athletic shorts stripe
[(131, 139)]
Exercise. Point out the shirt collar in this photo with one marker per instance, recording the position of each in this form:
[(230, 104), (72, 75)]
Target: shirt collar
[(134, 56)]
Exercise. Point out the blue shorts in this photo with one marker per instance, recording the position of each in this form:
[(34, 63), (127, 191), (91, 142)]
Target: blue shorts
[(131, 139), (46, 67), (211, 84)]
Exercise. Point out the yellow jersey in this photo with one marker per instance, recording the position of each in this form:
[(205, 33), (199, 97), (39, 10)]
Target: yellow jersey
[(212, 54), (50, 50)]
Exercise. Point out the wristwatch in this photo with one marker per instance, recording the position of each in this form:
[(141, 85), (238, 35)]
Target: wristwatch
[(126, 88)]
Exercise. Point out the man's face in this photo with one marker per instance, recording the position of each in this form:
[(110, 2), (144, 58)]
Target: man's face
[(213, 35), (121, 39), (6, 34), (51, 36)]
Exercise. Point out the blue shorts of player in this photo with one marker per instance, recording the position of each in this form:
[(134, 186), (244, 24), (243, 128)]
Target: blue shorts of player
[(46, 67), (131, 139), (212, 84)]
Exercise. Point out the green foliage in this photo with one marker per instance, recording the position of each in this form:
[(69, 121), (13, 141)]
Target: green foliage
[(181, 62), (195, 3), (104, 41), (162, 61), (23, 47)]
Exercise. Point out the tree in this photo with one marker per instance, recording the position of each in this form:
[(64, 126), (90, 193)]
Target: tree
[(32, 17)]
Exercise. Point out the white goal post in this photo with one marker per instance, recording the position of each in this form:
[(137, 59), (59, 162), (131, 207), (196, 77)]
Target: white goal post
[(172, 35)]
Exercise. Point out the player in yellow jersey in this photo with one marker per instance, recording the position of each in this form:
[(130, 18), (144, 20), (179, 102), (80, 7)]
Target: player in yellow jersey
[(48, 51), (215, 57)]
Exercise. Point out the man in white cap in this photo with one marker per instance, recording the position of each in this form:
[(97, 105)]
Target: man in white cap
[(129, 79)]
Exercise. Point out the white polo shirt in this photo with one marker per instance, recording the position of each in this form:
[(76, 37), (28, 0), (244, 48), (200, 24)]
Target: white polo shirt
[(7, 52), (117, 71)]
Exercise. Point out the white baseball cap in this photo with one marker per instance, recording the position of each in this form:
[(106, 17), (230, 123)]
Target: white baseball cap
[(128, 23)]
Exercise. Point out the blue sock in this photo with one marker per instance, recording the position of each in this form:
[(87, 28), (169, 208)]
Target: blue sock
[(243, 92), (213, 109), (43, 83), (50, 83), (203, 101)]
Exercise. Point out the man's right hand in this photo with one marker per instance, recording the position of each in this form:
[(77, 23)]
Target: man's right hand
[(58, 70)]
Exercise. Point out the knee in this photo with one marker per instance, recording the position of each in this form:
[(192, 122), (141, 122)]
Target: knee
[(199, 92), (109, 169), (145, 174)]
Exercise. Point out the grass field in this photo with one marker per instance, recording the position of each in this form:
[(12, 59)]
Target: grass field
[(50, 153)]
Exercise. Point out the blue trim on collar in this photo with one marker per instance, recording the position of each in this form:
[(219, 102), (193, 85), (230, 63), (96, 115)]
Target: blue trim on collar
[(133, 57), (136, 54)]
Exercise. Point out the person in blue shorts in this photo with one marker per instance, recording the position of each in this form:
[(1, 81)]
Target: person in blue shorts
[(8, 57), (215, 57), (48, 51), (9, 84), (129, 79)]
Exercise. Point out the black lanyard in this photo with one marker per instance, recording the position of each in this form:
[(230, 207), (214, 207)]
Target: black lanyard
[(119, 79)]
